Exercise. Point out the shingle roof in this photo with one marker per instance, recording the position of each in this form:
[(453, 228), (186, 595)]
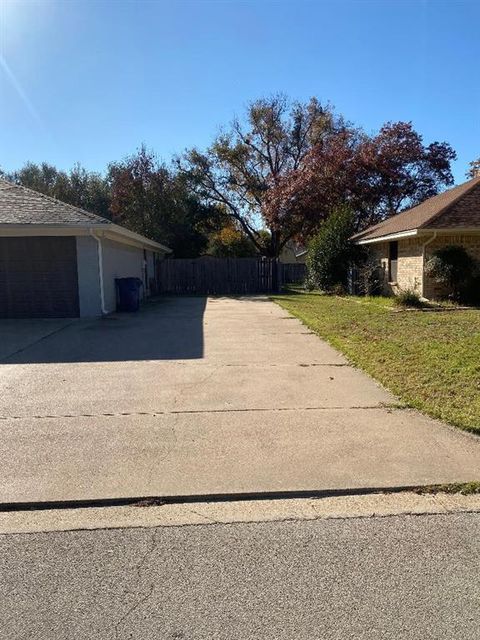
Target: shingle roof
[(456, 208), (19, 205)]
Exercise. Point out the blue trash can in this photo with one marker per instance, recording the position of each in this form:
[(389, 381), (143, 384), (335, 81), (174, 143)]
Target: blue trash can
[(128, 293)]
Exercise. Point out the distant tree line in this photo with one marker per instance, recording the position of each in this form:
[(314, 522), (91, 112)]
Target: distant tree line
[(273, 177), (137, 192)]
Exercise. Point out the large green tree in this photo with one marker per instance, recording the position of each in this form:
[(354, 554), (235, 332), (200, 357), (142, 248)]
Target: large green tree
[(149, 198), (250, 158), (79, 187)]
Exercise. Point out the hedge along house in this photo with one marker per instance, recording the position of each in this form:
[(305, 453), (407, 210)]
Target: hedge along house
[(404, 243), (60, 261)]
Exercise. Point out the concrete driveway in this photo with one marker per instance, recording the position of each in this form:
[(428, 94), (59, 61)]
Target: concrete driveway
[(198, 396)]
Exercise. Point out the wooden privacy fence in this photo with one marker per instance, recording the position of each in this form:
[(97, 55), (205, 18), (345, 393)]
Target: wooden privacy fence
[(294, 273), (218, 276)]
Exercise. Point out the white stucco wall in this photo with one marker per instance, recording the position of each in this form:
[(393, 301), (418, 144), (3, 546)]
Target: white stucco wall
[(88, 277), (119, 261), (150, 269)]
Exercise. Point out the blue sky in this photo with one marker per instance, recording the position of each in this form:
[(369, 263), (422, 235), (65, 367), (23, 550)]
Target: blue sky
[(89, 81)]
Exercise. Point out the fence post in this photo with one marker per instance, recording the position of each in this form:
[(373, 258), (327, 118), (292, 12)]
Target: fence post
[(279, 270)]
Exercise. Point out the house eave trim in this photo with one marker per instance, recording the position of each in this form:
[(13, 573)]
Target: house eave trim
[(391, 236), (108, 229), (136, 237)]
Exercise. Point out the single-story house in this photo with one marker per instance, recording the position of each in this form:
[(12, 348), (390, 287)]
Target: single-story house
[(59, 261), (404, 243)]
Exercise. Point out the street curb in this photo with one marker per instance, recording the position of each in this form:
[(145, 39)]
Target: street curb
[(246, 512), (155, 500)]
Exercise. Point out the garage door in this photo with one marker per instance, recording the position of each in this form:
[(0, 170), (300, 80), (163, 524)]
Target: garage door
[(38, 277)]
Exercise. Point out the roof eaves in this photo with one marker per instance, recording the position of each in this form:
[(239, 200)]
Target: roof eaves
[(123, 231), (69, 225), (389, 236), (426, 224), (371, 229), (90, 220)]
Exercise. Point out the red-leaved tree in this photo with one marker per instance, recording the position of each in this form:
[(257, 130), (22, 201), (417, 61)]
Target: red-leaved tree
[(377, 176)]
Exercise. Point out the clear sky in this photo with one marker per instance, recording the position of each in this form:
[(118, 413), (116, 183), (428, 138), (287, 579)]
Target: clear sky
[(89, 80)]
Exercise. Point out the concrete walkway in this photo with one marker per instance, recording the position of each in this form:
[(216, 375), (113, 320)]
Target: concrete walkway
[(196, 396)]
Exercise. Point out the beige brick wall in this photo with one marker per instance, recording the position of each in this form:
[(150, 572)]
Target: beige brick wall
[(410, 265), (409, 270), (410, 262), (432, 290)]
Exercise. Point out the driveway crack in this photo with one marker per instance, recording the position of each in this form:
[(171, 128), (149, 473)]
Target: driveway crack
[(176, 412), (148, 591)]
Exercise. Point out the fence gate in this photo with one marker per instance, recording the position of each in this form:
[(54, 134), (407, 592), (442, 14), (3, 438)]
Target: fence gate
[(218, 276)]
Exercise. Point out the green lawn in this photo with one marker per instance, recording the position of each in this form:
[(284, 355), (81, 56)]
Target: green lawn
[(430, 360)]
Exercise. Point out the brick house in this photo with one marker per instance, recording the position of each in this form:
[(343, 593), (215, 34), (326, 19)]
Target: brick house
[(405, 242)]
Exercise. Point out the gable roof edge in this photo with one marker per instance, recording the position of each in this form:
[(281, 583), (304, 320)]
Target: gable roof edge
[(421, 217), (473, 186)]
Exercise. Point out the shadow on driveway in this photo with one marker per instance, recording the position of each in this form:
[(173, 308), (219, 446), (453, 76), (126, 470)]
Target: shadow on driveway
[(167, 329)]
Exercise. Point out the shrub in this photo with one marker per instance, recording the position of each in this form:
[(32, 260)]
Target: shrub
[(408, 298), (330, 251), (309, 284), (368, 281), (452, 267)]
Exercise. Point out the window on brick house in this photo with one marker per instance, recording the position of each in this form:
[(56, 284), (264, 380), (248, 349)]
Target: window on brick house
[(392, 261)]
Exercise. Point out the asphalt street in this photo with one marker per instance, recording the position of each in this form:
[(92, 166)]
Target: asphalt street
[(400, 577)]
